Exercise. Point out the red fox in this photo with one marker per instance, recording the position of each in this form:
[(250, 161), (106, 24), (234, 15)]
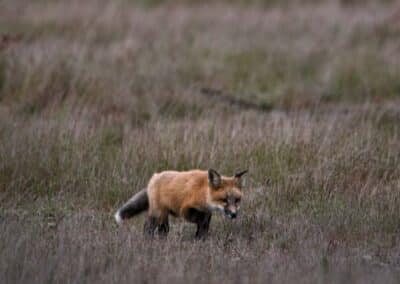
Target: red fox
[(193, 195)]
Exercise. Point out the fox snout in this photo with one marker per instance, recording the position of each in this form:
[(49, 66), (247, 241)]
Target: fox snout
[(233, 215), (231, 212)]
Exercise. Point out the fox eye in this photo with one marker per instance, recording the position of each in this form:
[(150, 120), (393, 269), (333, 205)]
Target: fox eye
[(224, 200), (237, 200)]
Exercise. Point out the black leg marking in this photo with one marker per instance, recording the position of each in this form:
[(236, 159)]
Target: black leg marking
[(202, 226), (150, 226), (163, 229), (202, 219)]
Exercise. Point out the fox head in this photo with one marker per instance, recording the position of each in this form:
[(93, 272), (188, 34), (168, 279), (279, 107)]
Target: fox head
[(225, 192)]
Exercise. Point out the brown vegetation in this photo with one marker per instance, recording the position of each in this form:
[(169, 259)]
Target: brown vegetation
[(97, 95)]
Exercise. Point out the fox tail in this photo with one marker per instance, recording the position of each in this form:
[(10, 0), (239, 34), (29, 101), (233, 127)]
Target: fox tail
[(137, 204)]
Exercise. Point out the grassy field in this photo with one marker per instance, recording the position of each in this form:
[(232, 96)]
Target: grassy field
[(96, 96)]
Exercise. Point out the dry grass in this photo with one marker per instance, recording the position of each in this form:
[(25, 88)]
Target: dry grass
[(96, 96)]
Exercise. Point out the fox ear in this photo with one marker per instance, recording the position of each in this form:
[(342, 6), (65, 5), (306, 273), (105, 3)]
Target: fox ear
[(239, 174), (214, 178), (238, 178)]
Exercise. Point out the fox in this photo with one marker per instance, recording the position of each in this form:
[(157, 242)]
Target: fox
[(193, 195)]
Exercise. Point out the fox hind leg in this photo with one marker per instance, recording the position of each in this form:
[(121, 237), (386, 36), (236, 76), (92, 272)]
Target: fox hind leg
[(163, 227), (150, 226), (156, 224)]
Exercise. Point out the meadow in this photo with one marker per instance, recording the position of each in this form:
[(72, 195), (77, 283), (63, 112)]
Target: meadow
[(96, 96)]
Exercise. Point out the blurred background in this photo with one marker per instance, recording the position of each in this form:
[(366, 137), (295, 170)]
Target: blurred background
[(134, 61)]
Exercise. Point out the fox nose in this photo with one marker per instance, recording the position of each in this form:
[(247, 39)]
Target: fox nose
[(233, 215)]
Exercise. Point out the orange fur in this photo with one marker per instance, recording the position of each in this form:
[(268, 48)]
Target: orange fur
[(171, 192), (193, 195)]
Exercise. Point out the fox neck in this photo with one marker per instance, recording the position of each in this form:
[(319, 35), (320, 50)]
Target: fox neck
[(211, 206)]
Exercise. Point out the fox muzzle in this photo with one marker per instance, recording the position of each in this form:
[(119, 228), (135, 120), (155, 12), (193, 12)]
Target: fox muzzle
[(232, 214)]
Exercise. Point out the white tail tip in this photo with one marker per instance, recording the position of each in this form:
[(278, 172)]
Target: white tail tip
[(118, 218)]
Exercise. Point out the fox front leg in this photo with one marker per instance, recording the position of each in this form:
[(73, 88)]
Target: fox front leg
[(201, 219), (203, 225)]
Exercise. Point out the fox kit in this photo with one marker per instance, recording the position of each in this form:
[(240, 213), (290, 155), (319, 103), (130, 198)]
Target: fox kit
[(193, 195)]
